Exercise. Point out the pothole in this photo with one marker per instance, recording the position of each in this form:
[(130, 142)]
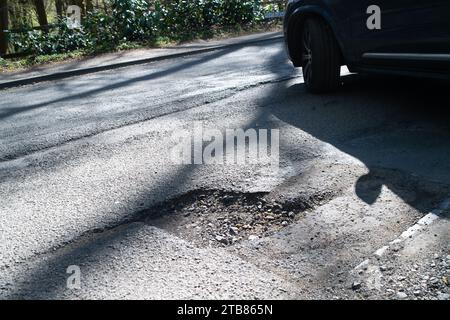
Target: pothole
[(222, 218)]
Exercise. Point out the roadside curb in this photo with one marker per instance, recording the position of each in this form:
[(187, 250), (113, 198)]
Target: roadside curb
[(88, 70)]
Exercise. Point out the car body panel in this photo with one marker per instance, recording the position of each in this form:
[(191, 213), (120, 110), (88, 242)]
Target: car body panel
[(413, 34)]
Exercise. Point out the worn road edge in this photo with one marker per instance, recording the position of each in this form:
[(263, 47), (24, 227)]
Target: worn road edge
[(83, 71)]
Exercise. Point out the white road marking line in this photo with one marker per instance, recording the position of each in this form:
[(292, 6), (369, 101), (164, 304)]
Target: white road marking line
[(372, 270)]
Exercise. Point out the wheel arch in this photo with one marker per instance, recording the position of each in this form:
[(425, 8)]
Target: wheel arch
[(295, 26)]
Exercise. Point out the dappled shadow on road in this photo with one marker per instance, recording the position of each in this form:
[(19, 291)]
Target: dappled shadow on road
[(51, 273), (48, 278), (6, 112)]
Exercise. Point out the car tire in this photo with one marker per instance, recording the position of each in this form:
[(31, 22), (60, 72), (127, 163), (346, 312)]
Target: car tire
[(320, 57)]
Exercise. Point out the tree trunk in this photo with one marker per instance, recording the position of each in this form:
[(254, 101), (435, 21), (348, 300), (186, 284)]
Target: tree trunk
[(3, 26), (81, 5), (89, 5), (41, 14), (59, 4)]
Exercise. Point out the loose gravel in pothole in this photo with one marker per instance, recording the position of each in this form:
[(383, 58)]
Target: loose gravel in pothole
[(219, 218)]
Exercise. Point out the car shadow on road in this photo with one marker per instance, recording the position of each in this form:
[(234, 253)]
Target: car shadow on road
[(398, 128)]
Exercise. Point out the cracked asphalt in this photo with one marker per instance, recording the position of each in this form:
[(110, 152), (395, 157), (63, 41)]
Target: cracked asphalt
[(85, 160)]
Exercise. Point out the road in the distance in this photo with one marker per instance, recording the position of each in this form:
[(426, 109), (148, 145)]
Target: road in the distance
[(48, 114), (91, 152)]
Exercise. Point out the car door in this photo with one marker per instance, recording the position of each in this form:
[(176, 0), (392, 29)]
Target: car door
[(407, 27)]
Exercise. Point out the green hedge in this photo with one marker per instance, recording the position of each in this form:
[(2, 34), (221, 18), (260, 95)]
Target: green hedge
[(141, 21)]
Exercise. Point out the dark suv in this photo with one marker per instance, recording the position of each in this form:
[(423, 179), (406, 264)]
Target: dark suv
[(409, 37)]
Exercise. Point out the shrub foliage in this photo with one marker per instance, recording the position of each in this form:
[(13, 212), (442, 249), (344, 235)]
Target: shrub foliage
[(140, 21)]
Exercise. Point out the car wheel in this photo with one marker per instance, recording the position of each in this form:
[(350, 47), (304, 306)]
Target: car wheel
[(320, 57)]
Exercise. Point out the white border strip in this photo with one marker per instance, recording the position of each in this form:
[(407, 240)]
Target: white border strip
[(419, 226)]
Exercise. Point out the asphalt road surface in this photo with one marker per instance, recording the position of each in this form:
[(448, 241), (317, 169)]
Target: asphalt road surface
[(85, 163)]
